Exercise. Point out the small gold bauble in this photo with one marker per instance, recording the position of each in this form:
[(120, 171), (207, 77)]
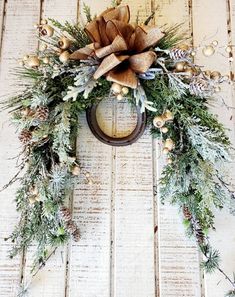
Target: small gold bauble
[(125, 90), (43, 46), (158, 121), (208, 51), (47, 30), (46, 60), (165, 150), (168, 115), (25, 58), (116, 88), (228, 49), (193, 53), (164, 130), (169, 143), (215, 42), (119, 97), (189, 72), (180, 66), (76, 170), (64, 57), (217, 89), (64, 43), (215, 75), (43, 22), (169, 160), (32, 200), (207, 73), (33, 61)]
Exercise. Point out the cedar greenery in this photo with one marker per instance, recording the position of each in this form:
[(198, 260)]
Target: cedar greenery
[(195, 180)]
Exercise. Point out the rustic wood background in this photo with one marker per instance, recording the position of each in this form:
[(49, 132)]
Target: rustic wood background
[(131, 246)]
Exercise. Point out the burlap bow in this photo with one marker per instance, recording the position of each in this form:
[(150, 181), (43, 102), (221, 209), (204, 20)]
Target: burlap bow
[(121, 48)]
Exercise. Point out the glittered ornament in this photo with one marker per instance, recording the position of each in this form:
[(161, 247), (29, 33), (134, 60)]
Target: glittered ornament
[(76, 170), (125, 90), (164, 130), (179, 66), (25, 136), (169, 144), (215, 42), (168, 115), (169, 161), (215, 75), (119, 97), (64, 57), (208, 51), (47, 30), (158, 121), (165, 151), (46, 60), (116, 88), (64, 43), (228, 49), (33, 61), (42, 113)]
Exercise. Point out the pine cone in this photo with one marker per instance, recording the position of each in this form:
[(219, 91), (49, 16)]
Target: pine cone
[(76, 235), (199, 87), (187, 213), (178, 54), (71, 226), (25, 136), (65, 214), (42, 113), (198, 232)]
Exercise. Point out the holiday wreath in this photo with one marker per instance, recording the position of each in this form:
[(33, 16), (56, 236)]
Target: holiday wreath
[(77, 68)]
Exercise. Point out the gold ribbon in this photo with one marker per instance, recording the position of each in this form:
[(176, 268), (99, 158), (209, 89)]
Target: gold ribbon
[(122, 49)]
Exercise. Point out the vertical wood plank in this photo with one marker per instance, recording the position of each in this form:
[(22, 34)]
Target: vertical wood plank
[(133, 204), (20, 15), (89, 259), (2, 8), (216, 29), (179, 273), (51, 280)]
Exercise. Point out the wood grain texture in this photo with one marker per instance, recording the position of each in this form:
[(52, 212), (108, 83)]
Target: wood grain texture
[(20, 15), (178, 263), (205, 32)]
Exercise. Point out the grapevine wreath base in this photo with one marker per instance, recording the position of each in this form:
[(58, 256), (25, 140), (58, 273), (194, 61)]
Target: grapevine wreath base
[(72, 72)]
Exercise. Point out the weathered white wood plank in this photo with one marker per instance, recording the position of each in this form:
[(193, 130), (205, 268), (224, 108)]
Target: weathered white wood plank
[(210, 23), (89, 259), (20, 15), (51, 280), (2, 8), (133, 203), (179, 273)]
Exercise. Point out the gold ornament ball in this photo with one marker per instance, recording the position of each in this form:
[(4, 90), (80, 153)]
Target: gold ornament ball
[(169, 161), (46, 60), (25, 58), (43, 22), (208, 51), (189, 72), (228, 49), (168, 115), (158, 122), (119, 97), (180, 66), (64, 57), (47, 30), (193, 53), (164, 130), (215, 75), (76, 170), (169, 143), (165, 151), (64, 43), (116, 88), (125, 90), (33, 61)]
